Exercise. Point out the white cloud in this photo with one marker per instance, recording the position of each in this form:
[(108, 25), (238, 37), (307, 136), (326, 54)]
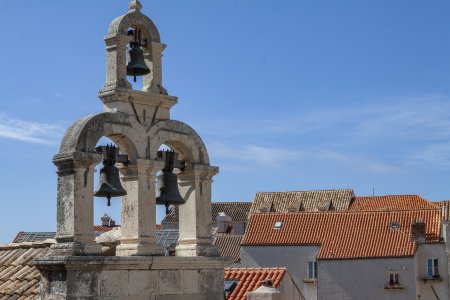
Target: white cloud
[(31, 132), (266, 156), (410, 118), (275, 157), (356, 161), (435, 154)]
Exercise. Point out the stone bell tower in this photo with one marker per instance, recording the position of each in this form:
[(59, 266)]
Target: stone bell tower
[(138, 121)]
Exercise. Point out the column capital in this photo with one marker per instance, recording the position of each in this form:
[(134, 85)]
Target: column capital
[(113, 41), (68, 162), (199, 172), (141, 167)]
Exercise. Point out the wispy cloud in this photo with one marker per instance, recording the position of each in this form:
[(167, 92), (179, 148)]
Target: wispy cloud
[(436, 155), (359, 162), (422, 117), (266, 156), (31, 132), (276, 157)]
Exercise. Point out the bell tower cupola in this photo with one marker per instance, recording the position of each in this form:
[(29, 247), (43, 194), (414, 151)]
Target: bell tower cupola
[(133, 49)]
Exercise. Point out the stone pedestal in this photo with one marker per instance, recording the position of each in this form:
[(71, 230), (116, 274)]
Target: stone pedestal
[(137, 277)]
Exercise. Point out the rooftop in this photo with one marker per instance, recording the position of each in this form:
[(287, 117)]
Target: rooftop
[(229, 245), (445, 209), (25, 236), (249, 279), (238, 211), (390, 202), (317, 200), (19, 279), (344, 235)]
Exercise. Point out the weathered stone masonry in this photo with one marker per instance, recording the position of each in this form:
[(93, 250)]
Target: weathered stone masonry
[(138, 121)]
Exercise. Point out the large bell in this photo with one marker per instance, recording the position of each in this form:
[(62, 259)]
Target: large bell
[(167, 183), (168, 193), (136, 65), (110, 185)]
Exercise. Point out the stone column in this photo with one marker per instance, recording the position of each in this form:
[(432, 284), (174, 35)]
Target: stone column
[(139, 210), (195, 215), (153, 57), (116, 61), (75, 206)]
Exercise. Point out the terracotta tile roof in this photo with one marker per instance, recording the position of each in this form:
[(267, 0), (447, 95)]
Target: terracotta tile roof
[(344, 235), (390, 202), (158, 226), (302, 201), (229, 245), (19, 279), (238, 211), (445, 209), (249, 279)]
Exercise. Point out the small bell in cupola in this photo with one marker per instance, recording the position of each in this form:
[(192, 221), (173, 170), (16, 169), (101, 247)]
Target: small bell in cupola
[(109, 184), (167, 182), (136, 63)]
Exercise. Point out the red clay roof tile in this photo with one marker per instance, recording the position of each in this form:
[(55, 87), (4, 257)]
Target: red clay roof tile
[(19, 279), (390, 202), (344, 235), (249, 279)]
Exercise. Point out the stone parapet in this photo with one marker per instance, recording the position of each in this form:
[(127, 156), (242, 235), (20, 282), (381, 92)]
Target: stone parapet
[(136, 277)]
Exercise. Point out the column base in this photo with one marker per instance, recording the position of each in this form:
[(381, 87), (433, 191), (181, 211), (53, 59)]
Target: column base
[(139, 249), (75, 249)]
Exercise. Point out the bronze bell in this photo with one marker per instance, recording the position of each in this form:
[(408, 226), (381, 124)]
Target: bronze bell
[(109, 184), (136, 65), (167, 182)]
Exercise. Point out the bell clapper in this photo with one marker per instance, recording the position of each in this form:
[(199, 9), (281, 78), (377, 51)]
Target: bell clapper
[(167, 208), (109, 199)]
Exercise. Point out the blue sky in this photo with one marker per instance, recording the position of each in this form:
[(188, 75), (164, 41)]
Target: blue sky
[(287, 95)]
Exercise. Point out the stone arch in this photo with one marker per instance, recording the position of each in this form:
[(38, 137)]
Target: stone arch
[(84, 134), (121, 24), (182, 138)]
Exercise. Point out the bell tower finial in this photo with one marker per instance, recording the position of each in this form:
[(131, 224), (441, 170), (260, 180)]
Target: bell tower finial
[(135, 5)]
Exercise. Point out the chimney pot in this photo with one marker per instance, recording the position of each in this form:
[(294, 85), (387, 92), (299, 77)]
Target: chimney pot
[(223, 223), (105, 220)]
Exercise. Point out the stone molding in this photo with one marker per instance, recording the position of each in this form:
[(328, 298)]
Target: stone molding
[(87, 263)]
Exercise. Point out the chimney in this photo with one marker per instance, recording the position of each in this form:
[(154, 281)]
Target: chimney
[(418, 231), (223, 223), (267, 282), (112, 223), (105, 220)]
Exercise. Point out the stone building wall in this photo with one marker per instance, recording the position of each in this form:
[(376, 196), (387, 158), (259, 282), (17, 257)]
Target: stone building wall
[(294, 258)]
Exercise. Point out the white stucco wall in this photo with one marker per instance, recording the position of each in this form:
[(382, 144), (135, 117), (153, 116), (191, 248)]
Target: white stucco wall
[(365, 279), (440, 286), (294, 258), (289, 290)]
